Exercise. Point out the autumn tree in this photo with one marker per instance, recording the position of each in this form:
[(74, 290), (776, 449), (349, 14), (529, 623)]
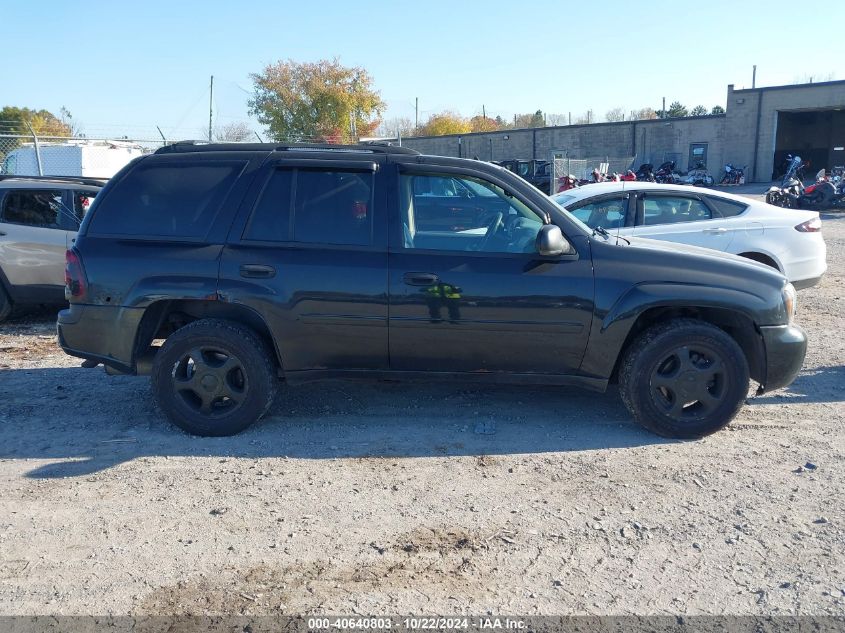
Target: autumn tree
[(44, 123), (535, 119), (698, 110), (483, 124), (616, 114), (717, 109), (445, 123), (644, 114), (322, 101)]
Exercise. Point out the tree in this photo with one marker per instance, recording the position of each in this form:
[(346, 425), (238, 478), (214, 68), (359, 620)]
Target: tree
[(529, 120), (698, 110), (322, 101), (676, 109), (43, 123), (483, 124), (616, 114), (556, 119), (445, 123), (396, 127), (234, 132), (717, 109), (583, 118), (644, 114)]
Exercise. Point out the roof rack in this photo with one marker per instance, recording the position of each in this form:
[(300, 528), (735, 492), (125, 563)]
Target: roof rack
[(82, 180), (374, 147)]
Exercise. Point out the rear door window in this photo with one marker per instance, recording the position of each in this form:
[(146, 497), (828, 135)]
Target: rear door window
[(166, 199), (32, 207), (332, 206), (673, 210), (82, 202)]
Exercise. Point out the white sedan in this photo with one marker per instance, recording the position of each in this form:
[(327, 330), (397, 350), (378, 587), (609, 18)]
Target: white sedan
[(787, 239)]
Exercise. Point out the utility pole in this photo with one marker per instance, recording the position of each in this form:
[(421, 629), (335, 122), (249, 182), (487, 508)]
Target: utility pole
[(754, 77), (416, 113), (570, 118), (483, 112), (210, 105), (663, 111)]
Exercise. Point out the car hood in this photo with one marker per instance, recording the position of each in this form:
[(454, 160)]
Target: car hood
[(659, 260)]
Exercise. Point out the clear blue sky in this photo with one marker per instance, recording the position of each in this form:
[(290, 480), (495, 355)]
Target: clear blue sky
[(122, 68)]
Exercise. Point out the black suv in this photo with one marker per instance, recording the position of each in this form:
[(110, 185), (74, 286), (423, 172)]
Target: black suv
[(219, 268)]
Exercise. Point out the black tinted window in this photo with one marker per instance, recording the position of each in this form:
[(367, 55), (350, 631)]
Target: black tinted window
[(608, 213), (727, 208), (271, 218), (166, 199), (673, 210), (33, 208), (333, 207), (82, 202), (329, 207)]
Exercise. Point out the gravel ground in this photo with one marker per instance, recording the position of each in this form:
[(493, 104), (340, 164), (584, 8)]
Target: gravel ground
[(395, 499)]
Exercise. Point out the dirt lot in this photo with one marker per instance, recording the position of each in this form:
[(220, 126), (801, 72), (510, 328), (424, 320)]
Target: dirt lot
[(389, 499)]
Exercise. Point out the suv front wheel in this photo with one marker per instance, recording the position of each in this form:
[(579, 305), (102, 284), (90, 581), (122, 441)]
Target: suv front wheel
[(214, 377), (684, 378)]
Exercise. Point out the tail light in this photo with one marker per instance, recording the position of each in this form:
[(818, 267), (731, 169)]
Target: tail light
[(76, 284), (810, 226)]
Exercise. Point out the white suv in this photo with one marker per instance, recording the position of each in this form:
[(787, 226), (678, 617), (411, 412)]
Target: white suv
[(38, 222)]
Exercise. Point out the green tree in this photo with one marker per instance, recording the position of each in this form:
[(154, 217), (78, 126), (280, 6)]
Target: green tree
[(445, 123), (717, 109), (322, 101), (698, 110), (676, 109), (529, 120)]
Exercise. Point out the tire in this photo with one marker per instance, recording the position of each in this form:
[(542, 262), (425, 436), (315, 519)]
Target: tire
[(5, 304), (683, 378), (214, 378)]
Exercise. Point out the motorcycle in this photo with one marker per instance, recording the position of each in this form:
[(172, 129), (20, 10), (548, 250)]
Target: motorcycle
[(646, 172), (822, 195), (666, 174), (699, 176), (567, 182), (733, 175), (794, 170)]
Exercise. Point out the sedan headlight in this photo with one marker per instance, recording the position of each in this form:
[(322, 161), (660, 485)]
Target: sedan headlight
[(789, 301)]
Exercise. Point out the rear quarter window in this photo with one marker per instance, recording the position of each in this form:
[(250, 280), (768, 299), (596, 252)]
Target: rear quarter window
[(726, 208), (166, 199)]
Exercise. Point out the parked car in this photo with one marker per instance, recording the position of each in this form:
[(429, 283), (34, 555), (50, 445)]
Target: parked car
[(38, 222), (788, 240), (253, 262)]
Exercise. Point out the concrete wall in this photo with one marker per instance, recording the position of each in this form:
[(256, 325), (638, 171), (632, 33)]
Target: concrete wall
[(647, 141), (752, 117), (745, 135)]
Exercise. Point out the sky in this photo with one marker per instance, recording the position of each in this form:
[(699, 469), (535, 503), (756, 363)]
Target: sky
[(124, 68)]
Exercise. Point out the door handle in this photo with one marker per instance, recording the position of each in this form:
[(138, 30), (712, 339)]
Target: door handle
[(257, 271), (718, 231), (2, 233), (420, 279)]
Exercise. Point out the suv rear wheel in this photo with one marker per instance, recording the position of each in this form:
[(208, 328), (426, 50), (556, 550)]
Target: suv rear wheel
[(214, 378), (684, 378)]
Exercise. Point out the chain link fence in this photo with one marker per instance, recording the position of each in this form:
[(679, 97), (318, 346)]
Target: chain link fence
[(31, 155), (582, 168)]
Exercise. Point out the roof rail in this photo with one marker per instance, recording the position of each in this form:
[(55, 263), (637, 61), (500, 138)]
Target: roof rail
[(374, 147), (82, 180)]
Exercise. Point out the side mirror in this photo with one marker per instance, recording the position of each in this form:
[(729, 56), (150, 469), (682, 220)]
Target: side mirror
[(551, 243)]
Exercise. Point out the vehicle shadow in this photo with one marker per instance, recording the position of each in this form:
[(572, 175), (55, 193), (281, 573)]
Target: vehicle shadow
[(821, 384), (82, 421)]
